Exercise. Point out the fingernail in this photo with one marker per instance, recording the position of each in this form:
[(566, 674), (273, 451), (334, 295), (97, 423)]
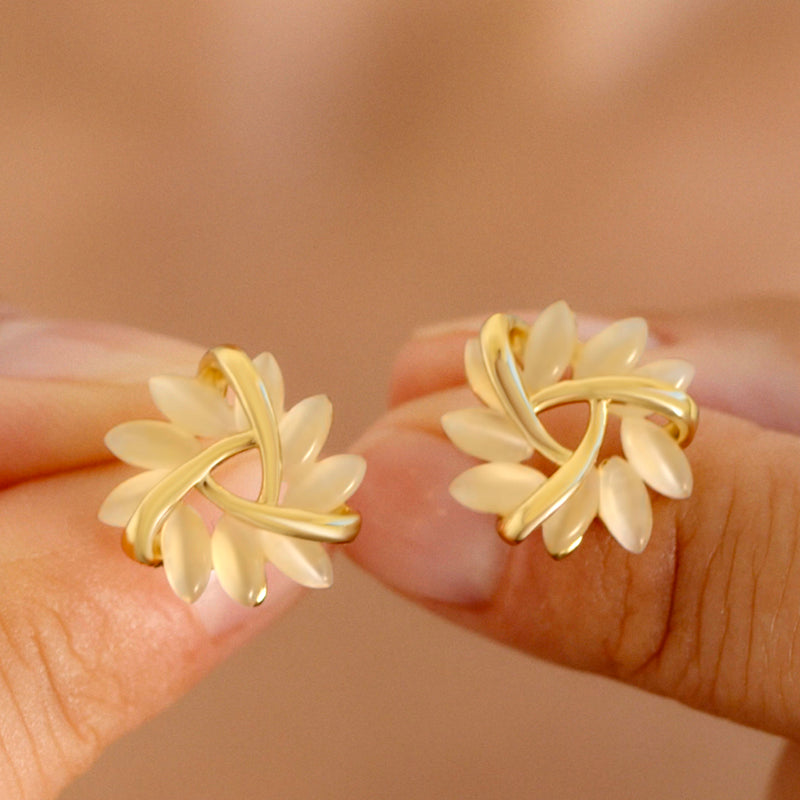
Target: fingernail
[(415, 536), (76, 350)]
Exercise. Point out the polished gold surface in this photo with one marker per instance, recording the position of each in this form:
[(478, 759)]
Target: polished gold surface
[(228, 369)]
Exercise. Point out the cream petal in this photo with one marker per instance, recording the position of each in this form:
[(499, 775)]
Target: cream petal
[(477, 377), (550, 345), (562, 531), (496, 488), (272, 376), (657, 457), (304, 429), (624, 504), (674, 371), (151, 444), (614, 351), (325, 484), (118, 507), (192, 405), (306, 563), (186, 552), (238, 560), (486, 434)]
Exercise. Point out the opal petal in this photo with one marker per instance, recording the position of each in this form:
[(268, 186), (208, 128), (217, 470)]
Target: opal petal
[(151, 444), (122, 501), (624, 504), (614, 351), (304, 429), (186, 552), (550, 345), (326, 484), (486, 434), (562, 531), (496, 488), (238, 560), (305, 562)]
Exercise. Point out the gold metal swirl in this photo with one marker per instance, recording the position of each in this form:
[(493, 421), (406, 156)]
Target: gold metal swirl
[(228, 368), (502, 340)]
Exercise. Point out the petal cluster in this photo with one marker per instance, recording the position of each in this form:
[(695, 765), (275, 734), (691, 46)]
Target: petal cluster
[(236, 551), (614, 490)]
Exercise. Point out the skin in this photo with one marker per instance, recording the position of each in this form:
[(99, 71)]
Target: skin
[(706, 615)]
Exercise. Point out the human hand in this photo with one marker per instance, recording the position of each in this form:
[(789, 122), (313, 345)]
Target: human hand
[(91, 643), (707, 614)]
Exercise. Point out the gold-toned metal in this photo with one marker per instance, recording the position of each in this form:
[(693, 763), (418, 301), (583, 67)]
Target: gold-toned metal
[(502, 341), (227, 369)]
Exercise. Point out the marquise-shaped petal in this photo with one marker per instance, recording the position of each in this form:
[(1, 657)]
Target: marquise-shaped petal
[(238, 560), (305, 562), (123, 500), (496, 488), (550, 345), (674, 371), (186, 552), (192, 405), (614, 351), (477, 377), (272, 377), (658, 459), (304, 429), (624, 504), (563, 531), (324, 485), (486, 434), (151, 444)]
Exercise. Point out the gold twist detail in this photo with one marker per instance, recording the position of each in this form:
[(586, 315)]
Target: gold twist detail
[(226, 368), (502, 340)]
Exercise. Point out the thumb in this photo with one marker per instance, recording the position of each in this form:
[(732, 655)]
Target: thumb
[(706, 615)]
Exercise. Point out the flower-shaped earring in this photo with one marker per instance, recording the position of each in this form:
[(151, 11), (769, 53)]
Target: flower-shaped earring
[(232, 406), (519, 372)]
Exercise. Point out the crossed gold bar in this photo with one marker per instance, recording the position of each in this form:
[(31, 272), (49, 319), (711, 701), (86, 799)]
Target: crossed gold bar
[(229, 367), (502, 339)]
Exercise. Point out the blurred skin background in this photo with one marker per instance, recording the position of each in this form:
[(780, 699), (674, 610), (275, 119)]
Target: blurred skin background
[(320, 180)]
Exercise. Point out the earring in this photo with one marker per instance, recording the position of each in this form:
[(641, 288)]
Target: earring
[(519, 372), (233, 407)]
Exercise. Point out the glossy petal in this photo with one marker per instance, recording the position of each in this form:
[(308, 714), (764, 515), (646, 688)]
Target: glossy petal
[(272, 376), (496, 488), (304, 429), (562, 532), (614, 351), (624, 504), (306, 563), (326, 484), (151, 444), (186, 552), (477, 377), (657, 457), (120, 504), (674, 371), (550, 345), (486, 434), (238, 560), (194, 406)]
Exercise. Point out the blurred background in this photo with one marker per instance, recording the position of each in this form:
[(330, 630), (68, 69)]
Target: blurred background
[(319, 180)]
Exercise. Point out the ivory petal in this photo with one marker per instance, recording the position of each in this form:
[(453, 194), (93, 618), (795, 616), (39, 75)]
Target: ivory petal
[(238, 560), (486, 434), (304, 429), (658, 459), (477, 377), (614, 351), (674, 371), (272, 376), (192, 405), (624, 504), (562, 531), (122, 501), (186, 552), (496, 488), (326, 484), (305, 562), (151, 444), (550, 345)]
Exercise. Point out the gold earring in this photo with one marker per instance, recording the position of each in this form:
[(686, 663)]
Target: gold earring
[(520, 371), (231, 407)]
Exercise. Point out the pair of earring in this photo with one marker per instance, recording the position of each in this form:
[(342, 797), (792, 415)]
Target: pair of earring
[(235, 406)]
